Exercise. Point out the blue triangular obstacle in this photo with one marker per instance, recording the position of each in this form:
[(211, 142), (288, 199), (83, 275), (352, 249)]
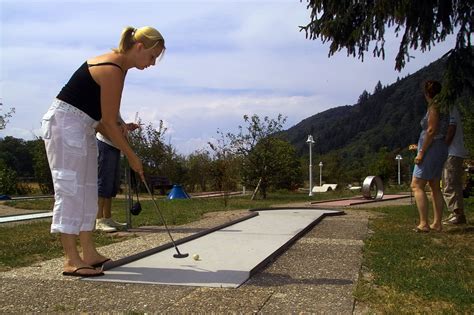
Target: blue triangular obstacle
[(177, 192)]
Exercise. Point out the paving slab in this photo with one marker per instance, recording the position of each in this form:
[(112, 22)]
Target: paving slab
[(227, 257), (203, 300), (22, 296)]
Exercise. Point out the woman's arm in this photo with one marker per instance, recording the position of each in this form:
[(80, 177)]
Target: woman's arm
[(111, 79)]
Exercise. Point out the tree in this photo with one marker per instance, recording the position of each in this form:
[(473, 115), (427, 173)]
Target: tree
[(355, 24), (4, 117), (378, 87), (41, 166), (149, 145), (383, 164), (468, 126), (223, 170), (8, 179), (363, 97), (16, 154), (333, 166), (198, 165), (158, 158), (265, 158), (256, 130), (274, 161)]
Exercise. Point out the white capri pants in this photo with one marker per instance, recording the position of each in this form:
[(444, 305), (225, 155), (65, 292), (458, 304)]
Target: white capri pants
[(71, 147)]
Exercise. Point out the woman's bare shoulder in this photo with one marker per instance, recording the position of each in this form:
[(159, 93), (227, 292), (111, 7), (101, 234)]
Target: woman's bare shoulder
[(107, 57)]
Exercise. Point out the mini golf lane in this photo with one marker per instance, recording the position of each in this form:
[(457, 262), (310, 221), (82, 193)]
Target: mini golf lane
[(228, 256)]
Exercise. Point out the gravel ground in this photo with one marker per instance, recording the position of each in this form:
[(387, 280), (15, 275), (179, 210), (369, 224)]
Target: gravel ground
[(315, 275)]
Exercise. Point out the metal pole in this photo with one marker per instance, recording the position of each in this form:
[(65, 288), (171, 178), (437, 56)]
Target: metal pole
[(320, 174), (310, 170), (398, 158), (398, 172), (310, 142)]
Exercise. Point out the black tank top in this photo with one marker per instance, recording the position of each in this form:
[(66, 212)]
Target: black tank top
[(83, 92)]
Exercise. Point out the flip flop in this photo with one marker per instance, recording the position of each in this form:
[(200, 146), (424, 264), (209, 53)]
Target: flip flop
[(100, 264), (75, 273)]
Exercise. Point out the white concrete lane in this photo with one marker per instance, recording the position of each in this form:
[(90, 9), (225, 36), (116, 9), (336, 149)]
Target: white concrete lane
[(227, 257)]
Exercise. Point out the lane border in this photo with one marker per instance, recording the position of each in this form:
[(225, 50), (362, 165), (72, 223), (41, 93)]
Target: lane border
[(295, 238)]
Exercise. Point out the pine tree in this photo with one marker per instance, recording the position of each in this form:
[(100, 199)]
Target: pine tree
[(378, 87), (354, 25)]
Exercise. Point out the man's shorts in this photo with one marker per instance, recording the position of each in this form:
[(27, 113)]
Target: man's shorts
[(109, 170)]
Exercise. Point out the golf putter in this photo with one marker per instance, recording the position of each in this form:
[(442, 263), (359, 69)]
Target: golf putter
[(178, 254)]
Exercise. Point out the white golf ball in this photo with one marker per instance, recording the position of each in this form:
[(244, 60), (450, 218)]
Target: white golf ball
[(196, 257)]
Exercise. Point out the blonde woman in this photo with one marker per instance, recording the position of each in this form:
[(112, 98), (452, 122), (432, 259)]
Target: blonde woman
[(429, 161), (90, 102)]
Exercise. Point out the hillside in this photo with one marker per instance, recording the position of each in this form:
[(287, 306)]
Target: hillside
[(389, 118)]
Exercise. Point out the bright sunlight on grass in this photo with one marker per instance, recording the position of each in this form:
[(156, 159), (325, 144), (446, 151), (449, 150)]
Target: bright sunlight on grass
[(415, 272)]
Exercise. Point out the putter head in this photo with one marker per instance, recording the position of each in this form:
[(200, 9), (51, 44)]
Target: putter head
[(136, 208), (179, 255)]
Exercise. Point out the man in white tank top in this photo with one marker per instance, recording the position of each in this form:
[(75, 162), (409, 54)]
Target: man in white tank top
[(453, 169)]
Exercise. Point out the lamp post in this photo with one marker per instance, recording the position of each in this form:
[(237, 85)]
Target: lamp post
[(398, 158), (320, 174), (310, 142)]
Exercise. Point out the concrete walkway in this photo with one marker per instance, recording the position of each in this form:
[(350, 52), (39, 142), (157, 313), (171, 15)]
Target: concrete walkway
[(316, 275), (227, 257)]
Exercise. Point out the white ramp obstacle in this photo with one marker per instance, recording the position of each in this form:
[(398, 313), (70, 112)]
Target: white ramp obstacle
[(324, 188)]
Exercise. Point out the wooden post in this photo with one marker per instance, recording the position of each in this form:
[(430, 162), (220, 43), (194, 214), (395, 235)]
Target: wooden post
[(256, 189)]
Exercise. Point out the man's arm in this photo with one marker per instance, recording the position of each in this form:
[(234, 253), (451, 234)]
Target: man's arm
[(450, 134)]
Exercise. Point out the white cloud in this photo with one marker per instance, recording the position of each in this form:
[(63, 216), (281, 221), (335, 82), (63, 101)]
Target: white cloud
[(224, 59)]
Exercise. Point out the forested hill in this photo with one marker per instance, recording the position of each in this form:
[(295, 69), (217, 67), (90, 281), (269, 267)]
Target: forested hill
[(387, 117)]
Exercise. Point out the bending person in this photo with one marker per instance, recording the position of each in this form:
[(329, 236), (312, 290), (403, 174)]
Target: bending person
[(90, 102)]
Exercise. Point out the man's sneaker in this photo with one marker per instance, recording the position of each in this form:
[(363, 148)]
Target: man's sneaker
[(455, 219), (117, 225), (102, 225), (450, 217)]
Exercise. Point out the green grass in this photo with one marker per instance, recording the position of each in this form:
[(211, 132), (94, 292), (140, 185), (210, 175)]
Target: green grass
[(416, 272), (32, 204)]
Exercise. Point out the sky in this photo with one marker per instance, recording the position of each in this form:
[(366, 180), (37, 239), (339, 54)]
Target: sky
[(224, 59)]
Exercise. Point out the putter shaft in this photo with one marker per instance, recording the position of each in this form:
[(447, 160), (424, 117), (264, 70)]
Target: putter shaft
[(178, 255)]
